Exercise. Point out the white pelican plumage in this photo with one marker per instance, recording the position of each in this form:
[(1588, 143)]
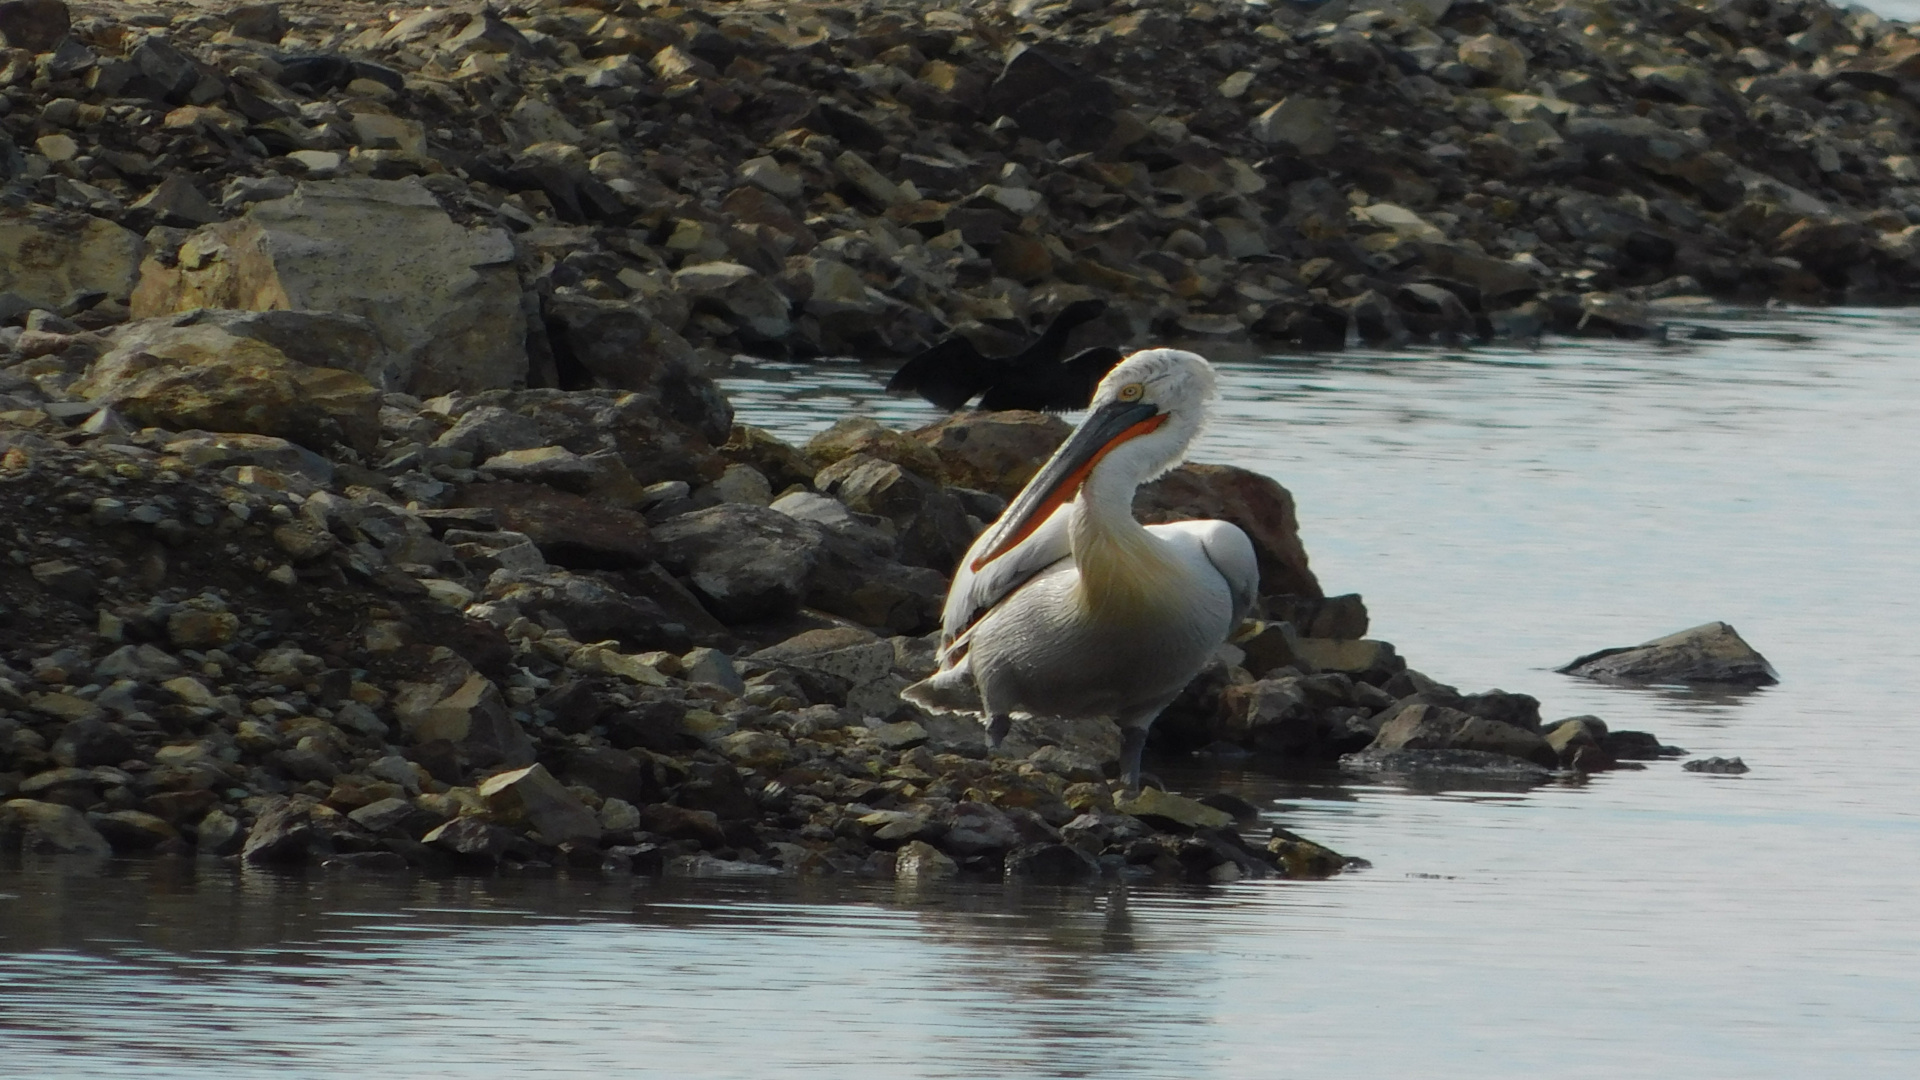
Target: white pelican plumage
[(1066, 606)]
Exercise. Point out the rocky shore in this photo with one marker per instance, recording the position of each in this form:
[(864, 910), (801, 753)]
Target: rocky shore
[(366, 497), (800, 179), (516, 639)]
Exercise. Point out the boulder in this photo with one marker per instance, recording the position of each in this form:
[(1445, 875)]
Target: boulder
[(1163, 809), (1421, 726), (746, 563), (993, 451), (531, 796), (1709, 653), (57, 261), (48, 828), (1256, 503), (451, 701), (1050, 98), (1498, 60), (864, 435), (328, 339), (1300, 123), (444, 299), (570, 530), (34, 25), (201, 376)]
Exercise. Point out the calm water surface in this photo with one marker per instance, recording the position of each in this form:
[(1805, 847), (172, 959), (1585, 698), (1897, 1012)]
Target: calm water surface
[(1503, 510)]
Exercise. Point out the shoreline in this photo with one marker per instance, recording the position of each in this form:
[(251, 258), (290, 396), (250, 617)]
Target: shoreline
[(376, 504)]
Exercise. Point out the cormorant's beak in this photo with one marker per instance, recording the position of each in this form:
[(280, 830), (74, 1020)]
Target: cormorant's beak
[(1059, 480)]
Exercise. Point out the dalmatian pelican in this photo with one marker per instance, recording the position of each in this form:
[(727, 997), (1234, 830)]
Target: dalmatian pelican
[(1067, 606)]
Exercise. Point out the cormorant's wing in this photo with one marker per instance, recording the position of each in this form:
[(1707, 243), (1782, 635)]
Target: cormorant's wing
[(947, 374), (1059, 386)]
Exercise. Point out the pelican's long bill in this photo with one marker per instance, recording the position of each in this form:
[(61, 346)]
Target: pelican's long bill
[(1059, 480)]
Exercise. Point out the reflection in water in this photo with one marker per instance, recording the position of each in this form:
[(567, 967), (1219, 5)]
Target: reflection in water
[(1505, 510)]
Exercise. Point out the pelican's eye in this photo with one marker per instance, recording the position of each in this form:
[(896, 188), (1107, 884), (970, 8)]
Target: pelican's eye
[(1132, 391)]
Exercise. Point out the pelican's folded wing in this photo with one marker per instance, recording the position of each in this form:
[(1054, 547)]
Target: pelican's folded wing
[(974, 593)]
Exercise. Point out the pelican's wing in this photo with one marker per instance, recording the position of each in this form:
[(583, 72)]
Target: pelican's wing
[(947, 374), (974, 593), (1230, 552)]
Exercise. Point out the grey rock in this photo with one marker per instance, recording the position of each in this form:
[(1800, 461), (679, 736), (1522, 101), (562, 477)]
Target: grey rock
[(285, 833), (1710, 653), (48, 828), (746, 563), (1420, 726), (86, 743)]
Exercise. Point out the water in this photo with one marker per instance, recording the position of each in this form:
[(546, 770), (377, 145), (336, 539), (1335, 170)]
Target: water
[(1503, 510)]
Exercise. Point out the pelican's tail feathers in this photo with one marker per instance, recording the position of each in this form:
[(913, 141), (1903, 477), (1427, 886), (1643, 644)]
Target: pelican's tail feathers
[(949, 690)]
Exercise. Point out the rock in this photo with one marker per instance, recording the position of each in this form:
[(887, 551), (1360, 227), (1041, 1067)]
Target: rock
[(1050, 98), (593, 610), (919, 861), (444, 299), (617, 774), (34, 25), (972, 828), (570, 530), (285, 833), (326, 339), (533, 797), (680, 823), (63, 578), (458, 704), (1422, 726), (1430, 769), (1256, 503), (1498, 60), (51, 260), (1164, 810), (861, 435), (133, 830), (1373, 661), (220, 834), (46, 828), (1050, 864), (86, 743), (712, 667), (993, 451), (1300, 858), (471, 838), (1709, 653), (746, 563), (1300, 123), (189, 628), (199, 376)]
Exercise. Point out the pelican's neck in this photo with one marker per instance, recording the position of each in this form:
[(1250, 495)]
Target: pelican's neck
[(1123, 567)]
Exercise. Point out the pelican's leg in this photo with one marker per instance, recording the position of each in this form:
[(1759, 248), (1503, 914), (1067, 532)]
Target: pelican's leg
[(997, 727), (1134, 740)]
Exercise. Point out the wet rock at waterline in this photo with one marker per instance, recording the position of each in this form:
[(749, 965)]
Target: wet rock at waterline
[(1717, 766), (1709, 653)]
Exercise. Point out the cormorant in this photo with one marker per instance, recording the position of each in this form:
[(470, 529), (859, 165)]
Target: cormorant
[(953, 372)]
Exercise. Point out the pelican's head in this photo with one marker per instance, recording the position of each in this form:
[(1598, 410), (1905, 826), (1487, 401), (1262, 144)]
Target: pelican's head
[(1144, 415)]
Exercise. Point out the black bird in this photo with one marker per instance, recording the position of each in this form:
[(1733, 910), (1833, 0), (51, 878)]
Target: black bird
[(953, 372)]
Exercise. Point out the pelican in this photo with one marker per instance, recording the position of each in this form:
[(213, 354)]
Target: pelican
[(1067, 606)]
